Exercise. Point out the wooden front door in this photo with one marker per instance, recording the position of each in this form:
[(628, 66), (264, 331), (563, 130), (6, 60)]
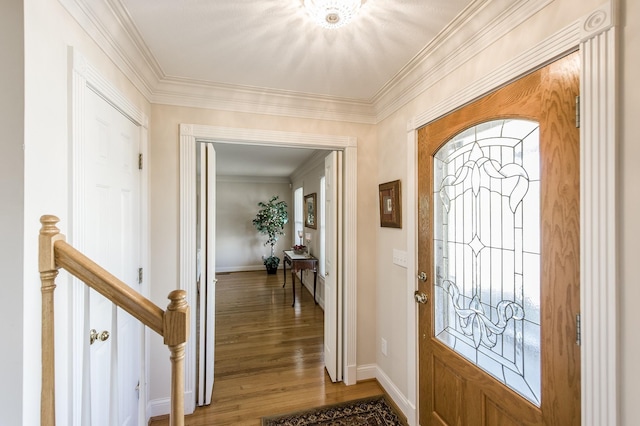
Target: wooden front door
[(498, 241)]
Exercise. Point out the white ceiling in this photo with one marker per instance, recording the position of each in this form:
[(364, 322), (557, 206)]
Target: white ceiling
[(259, 160), (273, 43), (255, 45)]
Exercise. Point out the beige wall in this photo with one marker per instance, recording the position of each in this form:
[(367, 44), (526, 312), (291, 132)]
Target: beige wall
[(12, 201), (629, 214), (309, 179), (239, 247)]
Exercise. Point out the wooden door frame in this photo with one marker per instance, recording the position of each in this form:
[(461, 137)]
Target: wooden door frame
[(85, 77), (190, 134), (594, 36)]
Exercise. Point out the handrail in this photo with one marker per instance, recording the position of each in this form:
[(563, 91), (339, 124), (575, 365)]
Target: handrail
[(109, 286), (172, 324)]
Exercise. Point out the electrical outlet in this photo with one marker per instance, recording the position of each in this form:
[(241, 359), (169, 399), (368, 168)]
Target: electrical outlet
[(400, 257), (383, 346)]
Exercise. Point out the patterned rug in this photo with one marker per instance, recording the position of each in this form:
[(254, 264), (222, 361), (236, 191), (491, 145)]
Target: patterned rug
[(372, 411)]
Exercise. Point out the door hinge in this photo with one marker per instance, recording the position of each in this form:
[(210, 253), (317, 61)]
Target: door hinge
[(139, 275), (139, 161), (578, 330), (578, 111)]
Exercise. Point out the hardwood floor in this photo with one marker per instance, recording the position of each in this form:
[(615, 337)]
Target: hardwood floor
[(269, 357)]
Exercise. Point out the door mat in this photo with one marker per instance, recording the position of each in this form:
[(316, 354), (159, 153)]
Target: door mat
[(371, 411)]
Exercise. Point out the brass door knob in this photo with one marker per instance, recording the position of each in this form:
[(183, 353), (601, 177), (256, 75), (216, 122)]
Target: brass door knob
[(94, 335), (420, 297)]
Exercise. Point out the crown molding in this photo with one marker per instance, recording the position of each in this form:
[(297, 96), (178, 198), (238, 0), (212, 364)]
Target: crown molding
[(203, 133), (253, 179), (96, 18), (487, 20), (256, 100)]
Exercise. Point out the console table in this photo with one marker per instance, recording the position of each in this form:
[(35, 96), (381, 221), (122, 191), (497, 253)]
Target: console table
[(299, 262)]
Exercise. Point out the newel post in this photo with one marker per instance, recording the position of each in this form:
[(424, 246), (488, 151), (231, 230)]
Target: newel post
[(49, 234), (176, 333)]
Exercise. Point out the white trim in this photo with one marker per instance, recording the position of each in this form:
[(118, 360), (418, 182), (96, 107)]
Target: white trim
[(598, 217), (83, 76), (489, 21), (595, 35), (248, 268), (407, 408), (367, 372), (253, 179), (192, 133), (411, 199), (486, 21), (162, 406)]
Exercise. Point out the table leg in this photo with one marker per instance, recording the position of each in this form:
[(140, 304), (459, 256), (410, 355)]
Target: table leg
[(315, 278), (284, 271), (293, 286)]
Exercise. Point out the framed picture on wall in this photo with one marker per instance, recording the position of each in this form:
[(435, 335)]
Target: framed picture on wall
[(390, 207), (310, 220)]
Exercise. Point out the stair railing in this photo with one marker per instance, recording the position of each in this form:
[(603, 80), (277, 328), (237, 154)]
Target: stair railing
[(172, 324)]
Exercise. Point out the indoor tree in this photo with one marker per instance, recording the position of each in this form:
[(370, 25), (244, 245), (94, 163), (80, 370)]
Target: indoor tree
[(270, 220)]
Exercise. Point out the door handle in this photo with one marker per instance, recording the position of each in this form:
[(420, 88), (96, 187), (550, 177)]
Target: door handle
[(420, 297), (422, 276), (94, 335)]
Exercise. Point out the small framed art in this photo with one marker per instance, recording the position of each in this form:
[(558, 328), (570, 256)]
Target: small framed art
[(390, 207), (310, 220)]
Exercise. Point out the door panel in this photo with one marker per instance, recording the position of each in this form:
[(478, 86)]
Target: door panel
[(112, 217), (331, 269), (482, 316)]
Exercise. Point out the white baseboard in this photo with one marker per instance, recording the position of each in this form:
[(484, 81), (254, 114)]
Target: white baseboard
[(372, 371), (408, 409), (366, 372), (242, 268), (158, 407), (162, 406)]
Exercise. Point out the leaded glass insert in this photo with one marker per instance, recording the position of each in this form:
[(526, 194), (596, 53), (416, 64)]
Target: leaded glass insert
[(487, 250)]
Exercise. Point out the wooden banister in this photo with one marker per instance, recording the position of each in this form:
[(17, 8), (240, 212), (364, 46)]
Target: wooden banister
[(173, 324), (80, 266)]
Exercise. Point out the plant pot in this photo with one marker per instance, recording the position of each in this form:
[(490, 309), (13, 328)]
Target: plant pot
[(272, 270)]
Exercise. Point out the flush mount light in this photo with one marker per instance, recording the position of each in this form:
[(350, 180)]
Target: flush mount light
[(332, 13)]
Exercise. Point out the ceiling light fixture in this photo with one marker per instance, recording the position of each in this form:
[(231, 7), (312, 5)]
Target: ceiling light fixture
[(332, 13)]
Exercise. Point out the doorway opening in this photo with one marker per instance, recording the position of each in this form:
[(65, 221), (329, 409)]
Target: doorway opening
[(190, 135)]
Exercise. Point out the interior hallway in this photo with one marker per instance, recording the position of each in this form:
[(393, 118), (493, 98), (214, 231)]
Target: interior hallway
[(268, 357)]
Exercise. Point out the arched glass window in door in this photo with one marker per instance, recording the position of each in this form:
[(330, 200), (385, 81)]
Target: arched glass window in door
[(487, 250)]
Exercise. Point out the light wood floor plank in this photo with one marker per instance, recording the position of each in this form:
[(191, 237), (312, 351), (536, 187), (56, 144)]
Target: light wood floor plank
[(269, 356)]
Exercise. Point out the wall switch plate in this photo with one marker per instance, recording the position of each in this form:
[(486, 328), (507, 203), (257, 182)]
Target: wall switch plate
[(400, 258), (383, 346)]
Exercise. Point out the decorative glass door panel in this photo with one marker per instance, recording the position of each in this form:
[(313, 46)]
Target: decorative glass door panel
[(486, 186)]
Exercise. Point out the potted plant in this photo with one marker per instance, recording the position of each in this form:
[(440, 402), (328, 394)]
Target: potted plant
[(270, 221)]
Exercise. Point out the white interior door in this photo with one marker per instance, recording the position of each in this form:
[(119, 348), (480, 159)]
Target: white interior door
[(112, 218), (332, 281), (206, 196)]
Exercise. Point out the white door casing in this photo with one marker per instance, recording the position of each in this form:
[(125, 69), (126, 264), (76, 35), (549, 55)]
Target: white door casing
[(190, 134), (90, 90)]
